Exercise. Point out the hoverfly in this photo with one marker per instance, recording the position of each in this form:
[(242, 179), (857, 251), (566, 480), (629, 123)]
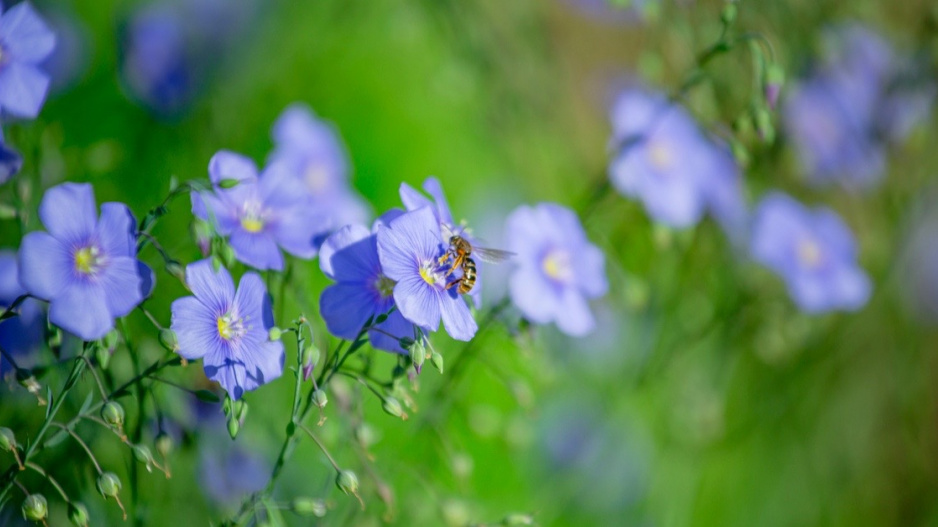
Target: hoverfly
[(460, 251)]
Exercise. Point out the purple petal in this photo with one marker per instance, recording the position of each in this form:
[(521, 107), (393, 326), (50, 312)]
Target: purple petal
[(457, 319), (117, 230), (231, 374), (120, 282), (435, 189), (217, 210), (297, 230), (24, 34), (395, 325), (278, 188), (418, 302), (252, 302), (196, 327), (147, 279), (10, 287), (81, 309), (852, 288), (230, 165), (264, 364), (259, 250), (346, 308), (336, 242), (215, 290), (591, 273), (22, 89), (413, 199), (576, 319), (406, 240), (534, 295), (358, 262), (45, 265), (68, 212)]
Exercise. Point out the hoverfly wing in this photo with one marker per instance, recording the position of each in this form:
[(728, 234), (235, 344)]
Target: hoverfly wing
[(493, 256)]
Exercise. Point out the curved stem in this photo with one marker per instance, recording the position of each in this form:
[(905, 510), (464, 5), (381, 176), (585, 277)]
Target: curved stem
[(81, 442), (52, 480)]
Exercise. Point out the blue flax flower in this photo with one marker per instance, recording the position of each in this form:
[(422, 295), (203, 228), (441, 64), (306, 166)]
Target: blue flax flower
[(10, 161), (813, 251), (350, 257), (262, 213), (25, 41), (409, 249), (85, 266), (228, 329), (312, 150), (23, 333), (664, 160), (558, 268)]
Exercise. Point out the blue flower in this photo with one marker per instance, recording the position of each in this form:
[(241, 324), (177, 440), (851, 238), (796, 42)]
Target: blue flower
[(228, 329), (262, 213), (664, 160), (409, 250), (350, 257), (25, 41), (22, 334), (85, 266), (10, 161), (312, 150), (558, 269), (228, 471), (813, 251)]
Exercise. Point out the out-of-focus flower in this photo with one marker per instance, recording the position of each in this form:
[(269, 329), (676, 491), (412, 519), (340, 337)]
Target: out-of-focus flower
[(616, 11), (25, 41), (85, 266), (228, 329), (69, 60), (10, 161), (860, 97), (813, 251), (409, 249), (664, 160), (261, 213), (229, 471), (918, 271), (22, 334), (312, 150), (558, 268), (350, 257)]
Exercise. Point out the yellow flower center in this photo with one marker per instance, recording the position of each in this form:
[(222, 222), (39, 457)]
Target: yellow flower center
[(252, 224), (385, 286), (86, 260), (230, 327), (660, 155), (809, 253), (557, 265)]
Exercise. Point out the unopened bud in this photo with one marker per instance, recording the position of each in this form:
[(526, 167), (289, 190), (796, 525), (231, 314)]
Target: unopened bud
[(227, 255), (365, 435), (233, 427), (164, 444), (381, 318), (168, 339), (740, 153), (309, 507), (437, 360), (113, 414), (406, 342), (228, 183), (7, 212), (274, 334), (774, 80), (35, 508), (393, 407), (143, 455), (102, 356), (764, 125), (78, 514), (112, 339), (176, 269), (319, 398), (311, 355), (728, 15), (7, 439), (109, 485), (202, 234), (347, 482), (518, 520), (418, 354)]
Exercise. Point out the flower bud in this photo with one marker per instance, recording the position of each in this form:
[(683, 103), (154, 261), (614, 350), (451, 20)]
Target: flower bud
[(112, 339), (406, 342), (168, 339), (102, 356), (437, 360), (311, 355), (143, 455), (309, 507), (418, 354), (517, 520), (740, 153), (109, 485), (393, 407), (347, 482), (274, 334), (78, 514), (366, 435), (728, 15), (319, 398), (113, 414), (35, 508), (227, 255), (228, 183), (202, 234), (774, 80), (381, 318), (233, 427), (7, 439), (164, 444), (7, 212), (764, 125), (176, 269)]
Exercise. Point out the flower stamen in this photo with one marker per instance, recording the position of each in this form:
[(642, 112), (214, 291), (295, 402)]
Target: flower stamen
[(231, 327), (88, 260)]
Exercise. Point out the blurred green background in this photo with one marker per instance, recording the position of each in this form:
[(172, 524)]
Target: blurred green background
[(704, 398)]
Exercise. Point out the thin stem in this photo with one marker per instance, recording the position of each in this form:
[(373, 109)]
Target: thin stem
[(9, 311), (6, 355), (81, 442), (52, 480), (97, 380), (321, 447), (150, 316)]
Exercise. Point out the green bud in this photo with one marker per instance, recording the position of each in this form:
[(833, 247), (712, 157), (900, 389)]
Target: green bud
[(143, 455), (728, 15), (774, 80), (518, 520), (309, 507), (78, 514), (164, 444), (347, 482), (418, 354), (393, 407), (319, 398), (242, 411), (35, 508), (227, 255), (274, 334), (437, 360), (740, 153), (112, 339), (381, 318), (764, 125), (102, 356), (311, 355), (233, 427), (113, 414), (109, 485), (366, 435), (406, 342), (168, 339), (7, 212), (176, 269), (7, 439), (228, 183), (55, 337)]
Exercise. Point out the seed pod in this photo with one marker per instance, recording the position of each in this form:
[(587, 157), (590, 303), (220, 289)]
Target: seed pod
[(168, 339), (35, 508), (347, 482), (319, 398), (309, 507), (7, 439), (393, 407), (109, 485), (78, 514), (113, 414)]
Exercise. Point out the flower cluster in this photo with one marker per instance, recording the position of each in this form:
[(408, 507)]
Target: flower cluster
[(859, 99)]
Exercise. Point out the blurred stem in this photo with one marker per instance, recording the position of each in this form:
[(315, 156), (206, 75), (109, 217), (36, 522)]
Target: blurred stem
[(52, 480), (321, 447), (82, 443), (138, 425)]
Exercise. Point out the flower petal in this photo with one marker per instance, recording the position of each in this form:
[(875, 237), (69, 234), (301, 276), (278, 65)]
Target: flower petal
[(433, 187), (345, 308), (534, 295), (259, 250), (196, 327), (252, 303), (81, 309), (230, 165), (117, 230), (25, 36), (418, 302), (214, 289), (337, 241), (68, 212), (298, 229), (264, 364), (120, 282), (231, 374), (22, 89), (46, 265), (406, 240), (590, 268), (457, 319), (576, 319)]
